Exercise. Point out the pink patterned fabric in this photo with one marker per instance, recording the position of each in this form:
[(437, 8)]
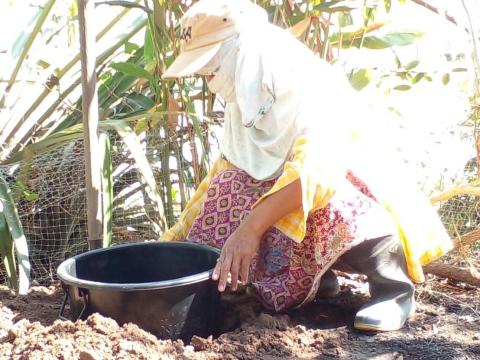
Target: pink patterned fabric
[(284, 273)]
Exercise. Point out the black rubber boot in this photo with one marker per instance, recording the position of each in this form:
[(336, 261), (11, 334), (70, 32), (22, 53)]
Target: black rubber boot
[(329, 286), (392, 293)]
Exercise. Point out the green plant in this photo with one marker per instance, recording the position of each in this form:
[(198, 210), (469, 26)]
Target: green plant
[(13, 242)]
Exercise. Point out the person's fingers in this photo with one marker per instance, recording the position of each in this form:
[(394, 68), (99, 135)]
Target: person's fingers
[(216, 270), (225, 266), (234, 272), (244, 269)]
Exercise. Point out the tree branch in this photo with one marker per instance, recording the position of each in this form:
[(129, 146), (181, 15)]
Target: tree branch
[(436, 10)]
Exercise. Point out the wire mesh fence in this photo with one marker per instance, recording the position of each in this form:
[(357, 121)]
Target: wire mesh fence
[(50, 195)]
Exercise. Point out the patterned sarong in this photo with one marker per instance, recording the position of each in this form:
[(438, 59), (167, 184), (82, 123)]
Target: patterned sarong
[(283, 272)]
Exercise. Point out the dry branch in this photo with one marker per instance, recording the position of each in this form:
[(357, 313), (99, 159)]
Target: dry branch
[(453, 272), (472, 189), (469, 276)]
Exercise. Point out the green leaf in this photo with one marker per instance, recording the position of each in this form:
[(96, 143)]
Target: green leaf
[(345, 19), (139, 102), (412, 65), (418, 77), (30, 196), (148, 47), (131, 47), (7, 253), (143, 166), (459, 69), (402, 75), (24, 44), (9, 211), (388, 5), (133, 70), (445, 78), (402, 87), (389, 40), (397, 61), (368, 14), (361, 78), (27, 194), (337, 5), (43, 64)]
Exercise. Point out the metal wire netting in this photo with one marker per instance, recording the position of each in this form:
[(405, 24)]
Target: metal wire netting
[(51, 197)]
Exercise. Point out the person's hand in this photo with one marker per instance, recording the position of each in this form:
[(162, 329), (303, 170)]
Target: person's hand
[(236, 256)]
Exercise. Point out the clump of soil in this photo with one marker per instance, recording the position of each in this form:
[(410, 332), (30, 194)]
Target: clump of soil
[(445, 326)]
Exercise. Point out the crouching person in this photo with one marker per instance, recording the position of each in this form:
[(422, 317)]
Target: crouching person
[(285, 203)]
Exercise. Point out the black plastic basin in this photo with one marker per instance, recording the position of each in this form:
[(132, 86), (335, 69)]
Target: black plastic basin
[(163, 287)]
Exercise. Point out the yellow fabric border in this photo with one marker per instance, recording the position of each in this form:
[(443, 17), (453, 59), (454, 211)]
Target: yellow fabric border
[(180, 230)]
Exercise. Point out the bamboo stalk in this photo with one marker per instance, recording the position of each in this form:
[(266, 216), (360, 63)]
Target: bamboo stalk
[(167, 183), (107, 188), (90, 122), (181, 175)]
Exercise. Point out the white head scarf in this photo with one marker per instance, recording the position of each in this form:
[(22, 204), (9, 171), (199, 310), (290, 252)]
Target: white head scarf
[(275, 89)]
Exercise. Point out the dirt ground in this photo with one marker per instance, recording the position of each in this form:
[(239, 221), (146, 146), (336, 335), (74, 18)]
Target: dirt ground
[(446, 326)]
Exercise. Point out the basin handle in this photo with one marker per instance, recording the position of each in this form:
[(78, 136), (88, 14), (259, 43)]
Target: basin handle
[(83, 295)]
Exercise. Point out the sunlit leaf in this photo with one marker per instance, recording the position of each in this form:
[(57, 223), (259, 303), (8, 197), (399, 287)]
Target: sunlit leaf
[(369, 14), (361, 78), (397, 61), (445, 78), (43, 64), (412, 65), (130, 47), (139, 102), (402, 87), (133, 69), (340, 5), (389, 40), (459, 69), (388, 5), (24, 43), (148, 48), (300, 27), (418, 77), (345, 19)]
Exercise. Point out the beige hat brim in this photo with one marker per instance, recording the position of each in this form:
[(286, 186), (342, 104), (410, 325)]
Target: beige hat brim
[(190, 61)]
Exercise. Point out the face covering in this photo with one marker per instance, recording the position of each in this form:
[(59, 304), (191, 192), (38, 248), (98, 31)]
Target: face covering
[(222, 68)]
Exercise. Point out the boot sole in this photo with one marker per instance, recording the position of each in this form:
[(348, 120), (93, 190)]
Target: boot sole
[(370, 327), (367, 327)]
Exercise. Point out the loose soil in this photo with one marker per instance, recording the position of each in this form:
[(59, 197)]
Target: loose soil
[(445, 326)]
